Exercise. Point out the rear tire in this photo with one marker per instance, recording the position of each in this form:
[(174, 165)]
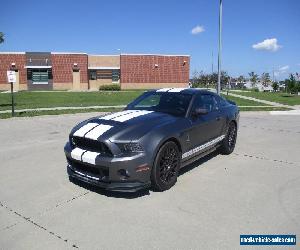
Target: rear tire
[(228, 144), (166, 167)]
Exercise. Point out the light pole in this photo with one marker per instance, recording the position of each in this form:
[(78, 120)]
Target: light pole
[(220, 49)]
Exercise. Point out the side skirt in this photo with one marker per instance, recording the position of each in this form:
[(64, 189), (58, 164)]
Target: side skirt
[(199, 156)]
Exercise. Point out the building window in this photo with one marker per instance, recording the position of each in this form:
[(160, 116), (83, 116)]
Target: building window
[(104, 74), (115, 75), (93, 75), (109, 74), (39, 76)]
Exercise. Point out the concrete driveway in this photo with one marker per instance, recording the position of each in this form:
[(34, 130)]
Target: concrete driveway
[(255, 190)]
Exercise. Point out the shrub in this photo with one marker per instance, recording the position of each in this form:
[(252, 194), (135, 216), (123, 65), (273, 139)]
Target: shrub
[(275, 86), (256, 90), (110, 87)]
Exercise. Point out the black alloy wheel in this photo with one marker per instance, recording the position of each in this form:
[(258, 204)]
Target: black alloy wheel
[(166, 166), (228, 144)]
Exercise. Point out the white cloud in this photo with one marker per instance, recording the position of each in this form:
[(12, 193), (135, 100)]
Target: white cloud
[(284, 68), (198, 29), (267, 44), (281, 70)]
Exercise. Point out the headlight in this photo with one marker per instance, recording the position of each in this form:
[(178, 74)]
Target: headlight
[(130, 147)]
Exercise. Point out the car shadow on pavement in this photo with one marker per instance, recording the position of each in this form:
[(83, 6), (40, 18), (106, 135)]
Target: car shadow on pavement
[(198, 163)]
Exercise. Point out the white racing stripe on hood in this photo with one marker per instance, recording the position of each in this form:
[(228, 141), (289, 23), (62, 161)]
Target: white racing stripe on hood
[(131, 115), (114, 115), (84, 129), (163, 90), (97, 131), (77, 153), (176, 89), (90, 157)]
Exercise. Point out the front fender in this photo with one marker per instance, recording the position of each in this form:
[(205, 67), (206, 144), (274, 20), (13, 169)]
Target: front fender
[(153, 141)]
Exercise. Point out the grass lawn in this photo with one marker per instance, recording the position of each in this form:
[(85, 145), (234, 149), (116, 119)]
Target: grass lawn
[(282, 98), (29, 100), (263, 109), (57, 112), (243, 102)]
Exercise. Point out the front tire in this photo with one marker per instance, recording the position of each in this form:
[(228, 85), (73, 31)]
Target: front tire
[(166, 167), (228, 144)]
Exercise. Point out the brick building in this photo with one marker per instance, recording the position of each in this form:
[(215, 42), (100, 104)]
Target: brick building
[(79, 71)]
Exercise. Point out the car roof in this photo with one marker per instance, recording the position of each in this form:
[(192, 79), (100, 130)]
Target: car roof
[(191, 91)]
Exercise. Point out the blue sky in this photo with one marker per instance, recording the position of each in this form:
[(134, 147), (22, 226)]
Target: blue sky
[(162, 26)]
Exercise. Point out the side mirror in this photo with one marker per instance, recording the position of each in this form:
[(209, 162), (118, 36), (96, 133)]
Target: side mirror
[(199, 111)]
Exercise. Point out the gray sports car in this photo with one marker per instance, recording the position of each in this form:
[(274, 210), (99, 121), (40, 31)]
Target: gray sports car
[(151, 139)]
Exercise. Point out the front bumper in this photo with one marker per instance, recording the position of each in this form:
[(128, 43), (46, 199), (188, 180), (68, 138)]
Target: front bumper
[(106, 172), (124, 186)]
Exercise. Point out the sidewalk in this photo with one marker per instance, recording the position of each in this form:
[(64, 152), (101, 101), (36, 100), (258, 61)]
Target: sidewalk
[(61, 108), (275, 104)]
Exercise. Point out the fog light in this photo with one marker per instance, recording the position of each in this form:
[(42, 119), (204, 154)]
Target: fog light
[(123, 173)]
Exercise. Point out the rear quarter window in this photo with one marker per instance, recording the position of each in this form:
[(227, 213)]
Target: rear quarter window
[(221, 101)]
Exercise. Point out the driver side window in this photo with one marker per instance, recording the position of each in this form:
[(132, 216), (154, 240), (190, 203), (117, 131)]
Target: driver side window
[(205, 101)]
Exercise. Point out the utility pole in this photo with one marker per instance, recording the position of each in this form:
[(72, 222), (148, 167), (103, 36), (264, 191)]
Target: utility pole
[(220, 49), (12, 99), (212, 62)]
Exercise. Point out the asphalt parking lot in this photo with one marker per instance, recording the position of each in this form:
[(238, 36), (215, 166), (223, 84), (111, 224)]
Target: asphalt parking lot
[(255, 190)]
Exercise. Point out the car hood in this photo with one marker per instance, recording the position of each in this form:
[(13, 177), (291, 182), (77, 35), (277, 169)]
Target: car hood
[(128, 125)]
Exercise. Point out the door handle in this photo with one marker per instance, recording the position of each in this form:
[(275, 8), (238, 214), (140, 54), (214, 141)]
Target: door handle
[(218, 118)]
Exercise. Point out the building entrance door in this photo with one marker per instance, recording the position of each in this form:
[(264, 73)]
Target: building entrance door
[(76, 80)]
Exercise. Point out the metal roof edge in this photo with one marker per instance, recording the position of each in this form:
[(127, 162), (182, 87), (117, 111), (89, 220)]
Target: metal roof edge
[(68, 53), (138, 54), (102, 55), (14, 53)]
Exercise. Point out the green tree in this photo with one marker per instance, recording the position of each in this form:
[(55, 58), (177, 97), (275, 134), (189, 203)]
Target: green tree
[(224, 77), (1, 37), (241, 79), (253, 78), (201, 79), (292, 84), (265, 78), (195, 79), (275, 86)]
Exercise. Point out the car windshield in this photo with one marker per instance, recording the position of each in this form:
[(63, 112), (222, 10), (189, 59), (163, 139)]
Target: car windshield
[(165, 102)]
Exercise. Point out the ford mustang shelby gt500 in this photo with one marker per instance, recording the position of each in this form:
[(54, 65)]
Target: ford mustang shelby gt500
[(151, 139)]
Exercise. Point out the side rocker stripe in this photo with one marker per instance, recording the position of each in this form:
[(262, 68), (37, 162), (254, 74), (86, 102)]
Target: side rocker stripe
[(86, 128), (97, 131), (203, 146)]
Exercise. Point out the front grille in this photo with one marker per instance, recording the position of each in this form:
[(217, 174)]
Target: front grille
[(101, 172), (91, 145)]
